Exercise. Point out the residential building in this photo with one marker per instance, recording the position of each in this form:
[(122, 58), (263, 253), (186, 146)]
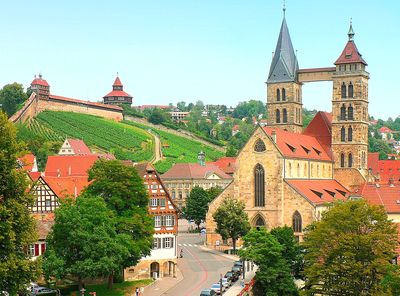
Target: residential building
[(74, 147), (163, 258), (179, 115), (182, 177), (387, 133), (117, 96), (226, 164)]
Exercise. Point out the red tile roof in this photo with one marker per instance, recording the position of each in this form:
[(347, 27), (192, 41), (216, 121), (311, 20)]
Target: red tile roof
[(319, 191), (235, 128), (227, 164), (39, 81), (65, 165), (43, 227), (372, 162), (387, 170), (385, 129), (66, 186), (385, 195), (117, 82), (95, 104), (34, 175), (350, 54), (79, 147), (27, 161), (117, 93), (295, 145), (320, 127), (194, 171)]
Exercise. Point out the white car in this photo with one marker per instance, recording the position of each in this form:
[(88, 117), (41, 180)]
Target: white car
[(226, 283), (217, 288)]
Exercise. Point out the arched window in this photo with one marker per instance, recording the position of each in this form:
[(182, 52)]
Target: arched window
[(259, 222), (350, 90), (296, 223), (259, 146), (350, 113), (278, 116), (278, 94), (343, 112), (350, 160), (259, 186), (283, 94), (343, 134), (284, 115), (342, 160), (343, 90), (350, 134)]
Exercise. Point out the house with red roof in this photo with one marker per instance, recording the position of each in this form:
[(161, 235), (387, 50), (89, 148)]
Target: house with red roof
[(387, 133), (235, 129), (117, 96), (226, 164), (74, 147)]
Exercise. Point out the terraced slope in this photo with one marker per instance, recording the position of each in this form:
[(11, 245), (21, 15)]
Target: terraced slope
[(177, 149), (124, 141)]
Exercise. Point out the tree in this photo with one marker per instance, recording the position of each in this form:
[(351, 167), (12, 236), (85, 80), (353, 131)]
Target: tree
[(17, 227), (84, 242), (291, 251), (273, 276), (158, 116), (232, 221), (11, 95), (197, 205), (213, 192), (124, 193), (348, 252), (249, 109)]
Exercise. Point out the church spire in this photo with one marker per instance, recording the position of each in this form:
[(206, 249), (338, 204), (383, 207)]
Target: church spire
[(351, 32), (284, 64)]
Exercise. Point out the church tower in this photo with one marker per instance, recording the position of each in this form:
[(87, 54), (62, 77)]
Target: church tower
[(350, 111), (284, 102)]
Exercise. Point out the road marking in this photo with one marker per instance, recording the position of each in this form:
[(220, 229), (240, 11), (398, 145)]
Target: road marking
[(185, 245), (203, 278)]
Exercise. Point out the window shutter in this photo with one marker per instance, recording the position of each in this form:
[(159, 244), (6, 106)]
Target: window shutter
[(36, 249), (43, 248)]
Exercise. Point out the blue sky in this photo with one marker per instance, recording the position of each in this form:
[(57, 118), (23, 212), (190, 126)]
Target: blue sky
[(218, 51)]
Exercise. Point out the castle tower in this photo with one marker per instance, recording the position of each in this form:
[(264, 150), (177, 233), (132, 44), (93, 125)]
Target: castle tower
[(117, 95), (350, 110), (284, 102), (40, 87)]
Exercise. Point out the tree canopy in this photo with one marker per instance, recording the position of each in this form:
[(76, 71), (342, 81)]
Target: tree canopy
[(84, 242), (349, 251), (11, 95), (17, 227), (232, 221), (273, 276)]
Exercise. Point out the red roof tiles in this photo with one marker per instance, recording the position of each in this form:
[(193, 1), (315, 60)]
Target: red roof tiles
[(387, 170), (79, 147), (321, 128), (67, 186), (117, 93), (194, 171), (117, 82), (227, 164), (74, 165), (39, 81), (384, 195), (319, 191), (95, 104), (350, 54), (27, 161), (385, 129)]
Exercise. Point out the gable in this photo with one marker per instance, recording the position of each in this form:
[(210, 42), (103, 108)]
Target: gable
[(46, 200)]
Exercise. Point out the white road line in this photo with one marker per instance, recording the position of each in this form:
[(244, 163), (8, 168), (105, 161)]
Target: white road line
[(189, 245), (180, 245), (185, 245)]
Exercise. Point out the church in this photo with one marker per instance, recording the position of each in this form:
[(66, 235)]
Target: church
[(286, 174)]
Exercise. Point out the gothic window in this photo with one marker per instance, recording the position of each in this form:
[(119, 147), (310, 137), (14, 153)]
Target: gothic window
[(342, 160), (350, 113), (260, 222), (259, 146), (259, 186), (350, 160), (284, 115), (283, 94), (296, 224), (278, 94), (350, 90), (343, 112), (343, 90), (278, 116), (343, 134), (350, 134)]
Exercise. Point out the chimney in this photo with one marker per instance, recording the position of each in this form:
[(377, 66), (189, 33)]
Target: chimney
[(69, 171), (391, 182), (58, 173), (76, 192), (273, 136)]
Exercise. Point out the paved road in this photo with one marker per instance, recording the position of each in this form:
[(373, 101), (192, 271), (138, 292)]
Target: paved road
[(200, 267)]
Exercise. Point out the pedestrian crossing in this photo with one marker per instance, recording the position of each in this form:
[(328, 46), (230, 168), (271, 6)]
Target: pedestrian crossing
[(188, 245)]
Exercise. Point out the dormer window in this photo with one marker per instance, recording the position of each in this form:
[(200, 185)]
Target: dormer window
[(317, 151), (305, 149), (317, 193), (293, 149)]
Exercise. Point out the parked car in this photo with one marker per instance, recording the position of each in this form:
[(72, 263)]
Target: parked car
[(43, 291), (237, 270), (208, 292), (232, 276), (226, 283), (238, 263), (216, 288)]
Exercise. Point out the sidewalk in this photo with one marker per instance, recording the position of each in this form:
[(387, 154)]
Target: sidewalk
[(237, 287), (160, 286)]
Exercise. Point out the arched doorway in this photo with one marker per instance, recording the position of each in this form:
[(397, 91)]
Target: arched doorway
[(258, 221), (155, 270), (168, 268)]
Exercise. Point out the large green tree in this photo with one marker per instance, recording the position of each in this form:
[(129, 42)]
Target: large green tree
[(197, 205), (11, 95), (17, 227), (232, 221), (84, 242), (349, 250), (124, 193), (273, 277)]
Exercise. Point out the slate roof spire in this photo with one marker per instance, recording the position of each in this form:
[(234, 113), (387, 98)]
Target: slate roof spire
[(351, 31), (284, 64)]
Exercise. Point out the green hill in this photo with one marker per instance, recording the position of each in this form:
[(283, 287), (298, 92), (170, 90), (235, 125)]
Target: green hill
[(178, 149), (126, 142)]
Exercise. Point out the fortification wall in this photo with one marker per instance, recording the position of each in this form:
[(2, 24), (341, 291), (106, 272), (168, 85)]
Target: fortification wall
[(28, 111)]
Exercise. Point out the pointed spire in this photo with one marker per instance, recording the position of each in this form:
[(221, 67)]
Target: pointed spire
[(351, 31), (284, 8), (284, 64)]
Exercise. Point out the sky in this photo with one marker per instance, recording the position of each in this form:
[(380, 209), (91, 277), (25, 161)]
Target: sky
[(217, 51)]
